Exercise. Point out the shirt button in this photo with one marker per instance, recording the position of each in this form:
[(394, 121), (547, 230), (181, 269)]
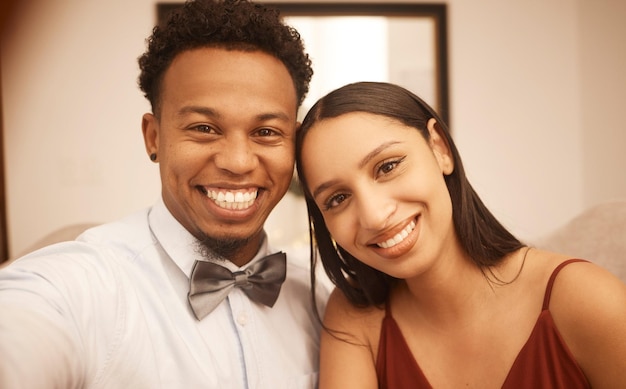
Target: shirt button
[(242, 319)]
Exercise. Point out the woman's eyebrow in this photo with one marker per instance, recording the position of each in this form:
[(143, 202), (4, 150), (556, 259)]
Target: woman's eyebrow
[(322, 187), (371, 155), (375, 152)]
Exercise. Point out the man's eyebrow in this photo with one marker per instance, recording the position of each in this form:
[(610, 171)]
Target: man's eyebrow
[(206, 111), (273, 115)]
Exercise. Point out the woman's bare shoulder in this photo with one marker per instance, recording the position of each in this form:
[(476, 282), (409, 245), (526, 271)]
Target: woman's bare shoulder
[(341, 315), (584, 289), (588, 305), (579, 282)]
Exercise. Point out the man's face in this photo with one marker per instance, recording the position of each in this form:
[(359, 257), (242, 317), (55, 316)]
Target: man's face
[(225, 143)]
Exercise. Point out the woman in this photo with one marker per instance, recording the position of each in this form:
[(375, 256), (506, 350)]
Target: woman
[(432, 291)]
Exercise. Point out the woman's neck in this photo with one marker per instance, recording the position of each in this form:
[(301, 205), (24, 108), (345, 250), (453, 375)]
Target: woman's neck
[(454, 290)]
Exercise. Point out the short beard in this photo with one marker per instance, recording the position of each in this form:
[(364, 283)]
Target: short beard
[(216, 248)]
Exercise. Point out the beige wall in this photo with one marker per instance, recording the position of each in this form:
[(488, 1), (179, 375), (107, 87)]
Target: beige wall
[(602, 59), (536, 91)]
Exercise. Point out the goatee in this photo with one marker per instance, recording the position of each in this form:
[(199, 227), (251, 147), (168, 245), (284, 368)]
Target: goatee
[(213, 248)]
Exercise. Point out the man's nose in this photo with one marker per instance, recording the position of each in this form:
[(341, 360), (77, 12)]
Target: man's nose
[(236, 155)]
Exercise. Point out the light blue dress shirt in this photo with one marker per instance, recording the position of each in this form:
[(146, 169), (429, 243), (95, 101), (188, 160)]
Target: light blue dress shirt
[(110, 310)]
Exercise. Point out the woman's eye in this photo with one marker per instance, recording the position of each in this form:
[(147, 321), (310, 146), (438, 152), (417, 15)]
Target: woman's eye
[(335, 201), (388, 166)]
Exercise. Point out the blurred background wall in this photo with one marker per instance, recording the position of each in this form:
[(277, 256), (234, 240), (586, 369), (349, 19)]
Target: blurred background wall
[(536, 95)]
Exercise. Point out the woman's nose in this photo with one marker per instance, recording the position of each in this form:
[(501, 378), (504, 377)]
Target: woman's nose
[(375, 209)]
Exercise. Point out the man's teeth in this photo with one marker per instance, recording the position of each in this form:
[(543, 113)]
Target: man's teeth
[(399, 237), (232, 200)]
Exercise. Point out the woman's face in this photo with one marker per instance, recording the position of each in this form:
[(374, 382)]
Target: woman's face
[(380, 187)]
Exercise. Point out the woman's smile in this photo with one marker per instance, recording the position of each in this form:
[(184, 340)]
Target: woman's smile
[(401, 243), (397, 238)]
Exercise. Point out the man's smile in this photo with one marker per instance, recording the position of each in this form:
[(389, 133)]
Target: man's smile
[(232, 199)]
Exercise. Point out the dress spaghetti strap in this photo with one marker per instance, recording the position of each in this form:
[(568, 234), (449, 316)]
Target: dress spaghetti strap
[(546, 299), (388, 308)]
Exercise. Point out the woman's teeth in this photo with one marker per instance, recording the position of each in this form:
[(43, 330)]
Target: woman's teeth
[(399, 237), (232, 200)]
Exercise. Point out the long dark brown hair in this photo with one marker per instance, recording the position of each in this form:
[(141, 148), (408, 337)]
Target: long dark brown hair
[(480, 234)]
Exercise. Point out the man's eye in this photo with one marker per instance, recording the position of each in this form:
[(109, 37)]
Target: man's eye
[(203, 128), (266, 132)]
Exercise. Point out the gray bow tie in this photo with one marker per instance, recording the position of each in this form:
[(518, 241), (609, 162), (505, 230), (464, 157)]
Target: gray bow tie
[(210, 283)]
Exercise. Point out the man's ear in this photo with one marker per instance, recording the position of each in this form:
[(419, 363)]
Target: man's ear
[(150, 130), (440, 147)]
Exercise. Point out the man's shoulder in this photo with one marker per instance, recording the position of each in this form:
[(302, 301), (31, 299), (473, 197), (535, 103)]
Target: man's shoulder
[(126, 237), (298, 266), (131, 229), (298, 281), (98, 246)]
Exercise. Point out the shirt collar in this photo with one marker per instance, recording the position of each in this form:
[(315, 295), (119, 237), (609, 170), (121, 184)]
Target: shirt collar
[(182, 246)]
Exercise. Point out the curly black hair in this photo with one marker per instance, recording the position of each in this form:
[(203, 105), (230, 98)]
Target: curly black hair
[(229, 24)]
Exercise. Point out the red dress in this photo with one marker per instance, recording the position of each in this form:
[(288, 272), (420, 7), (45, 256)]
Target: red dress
[(543, 362)]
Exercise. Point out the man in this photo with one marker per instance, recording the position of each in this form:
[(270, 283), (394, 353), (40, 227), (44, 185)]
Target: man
[(129, 304)]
